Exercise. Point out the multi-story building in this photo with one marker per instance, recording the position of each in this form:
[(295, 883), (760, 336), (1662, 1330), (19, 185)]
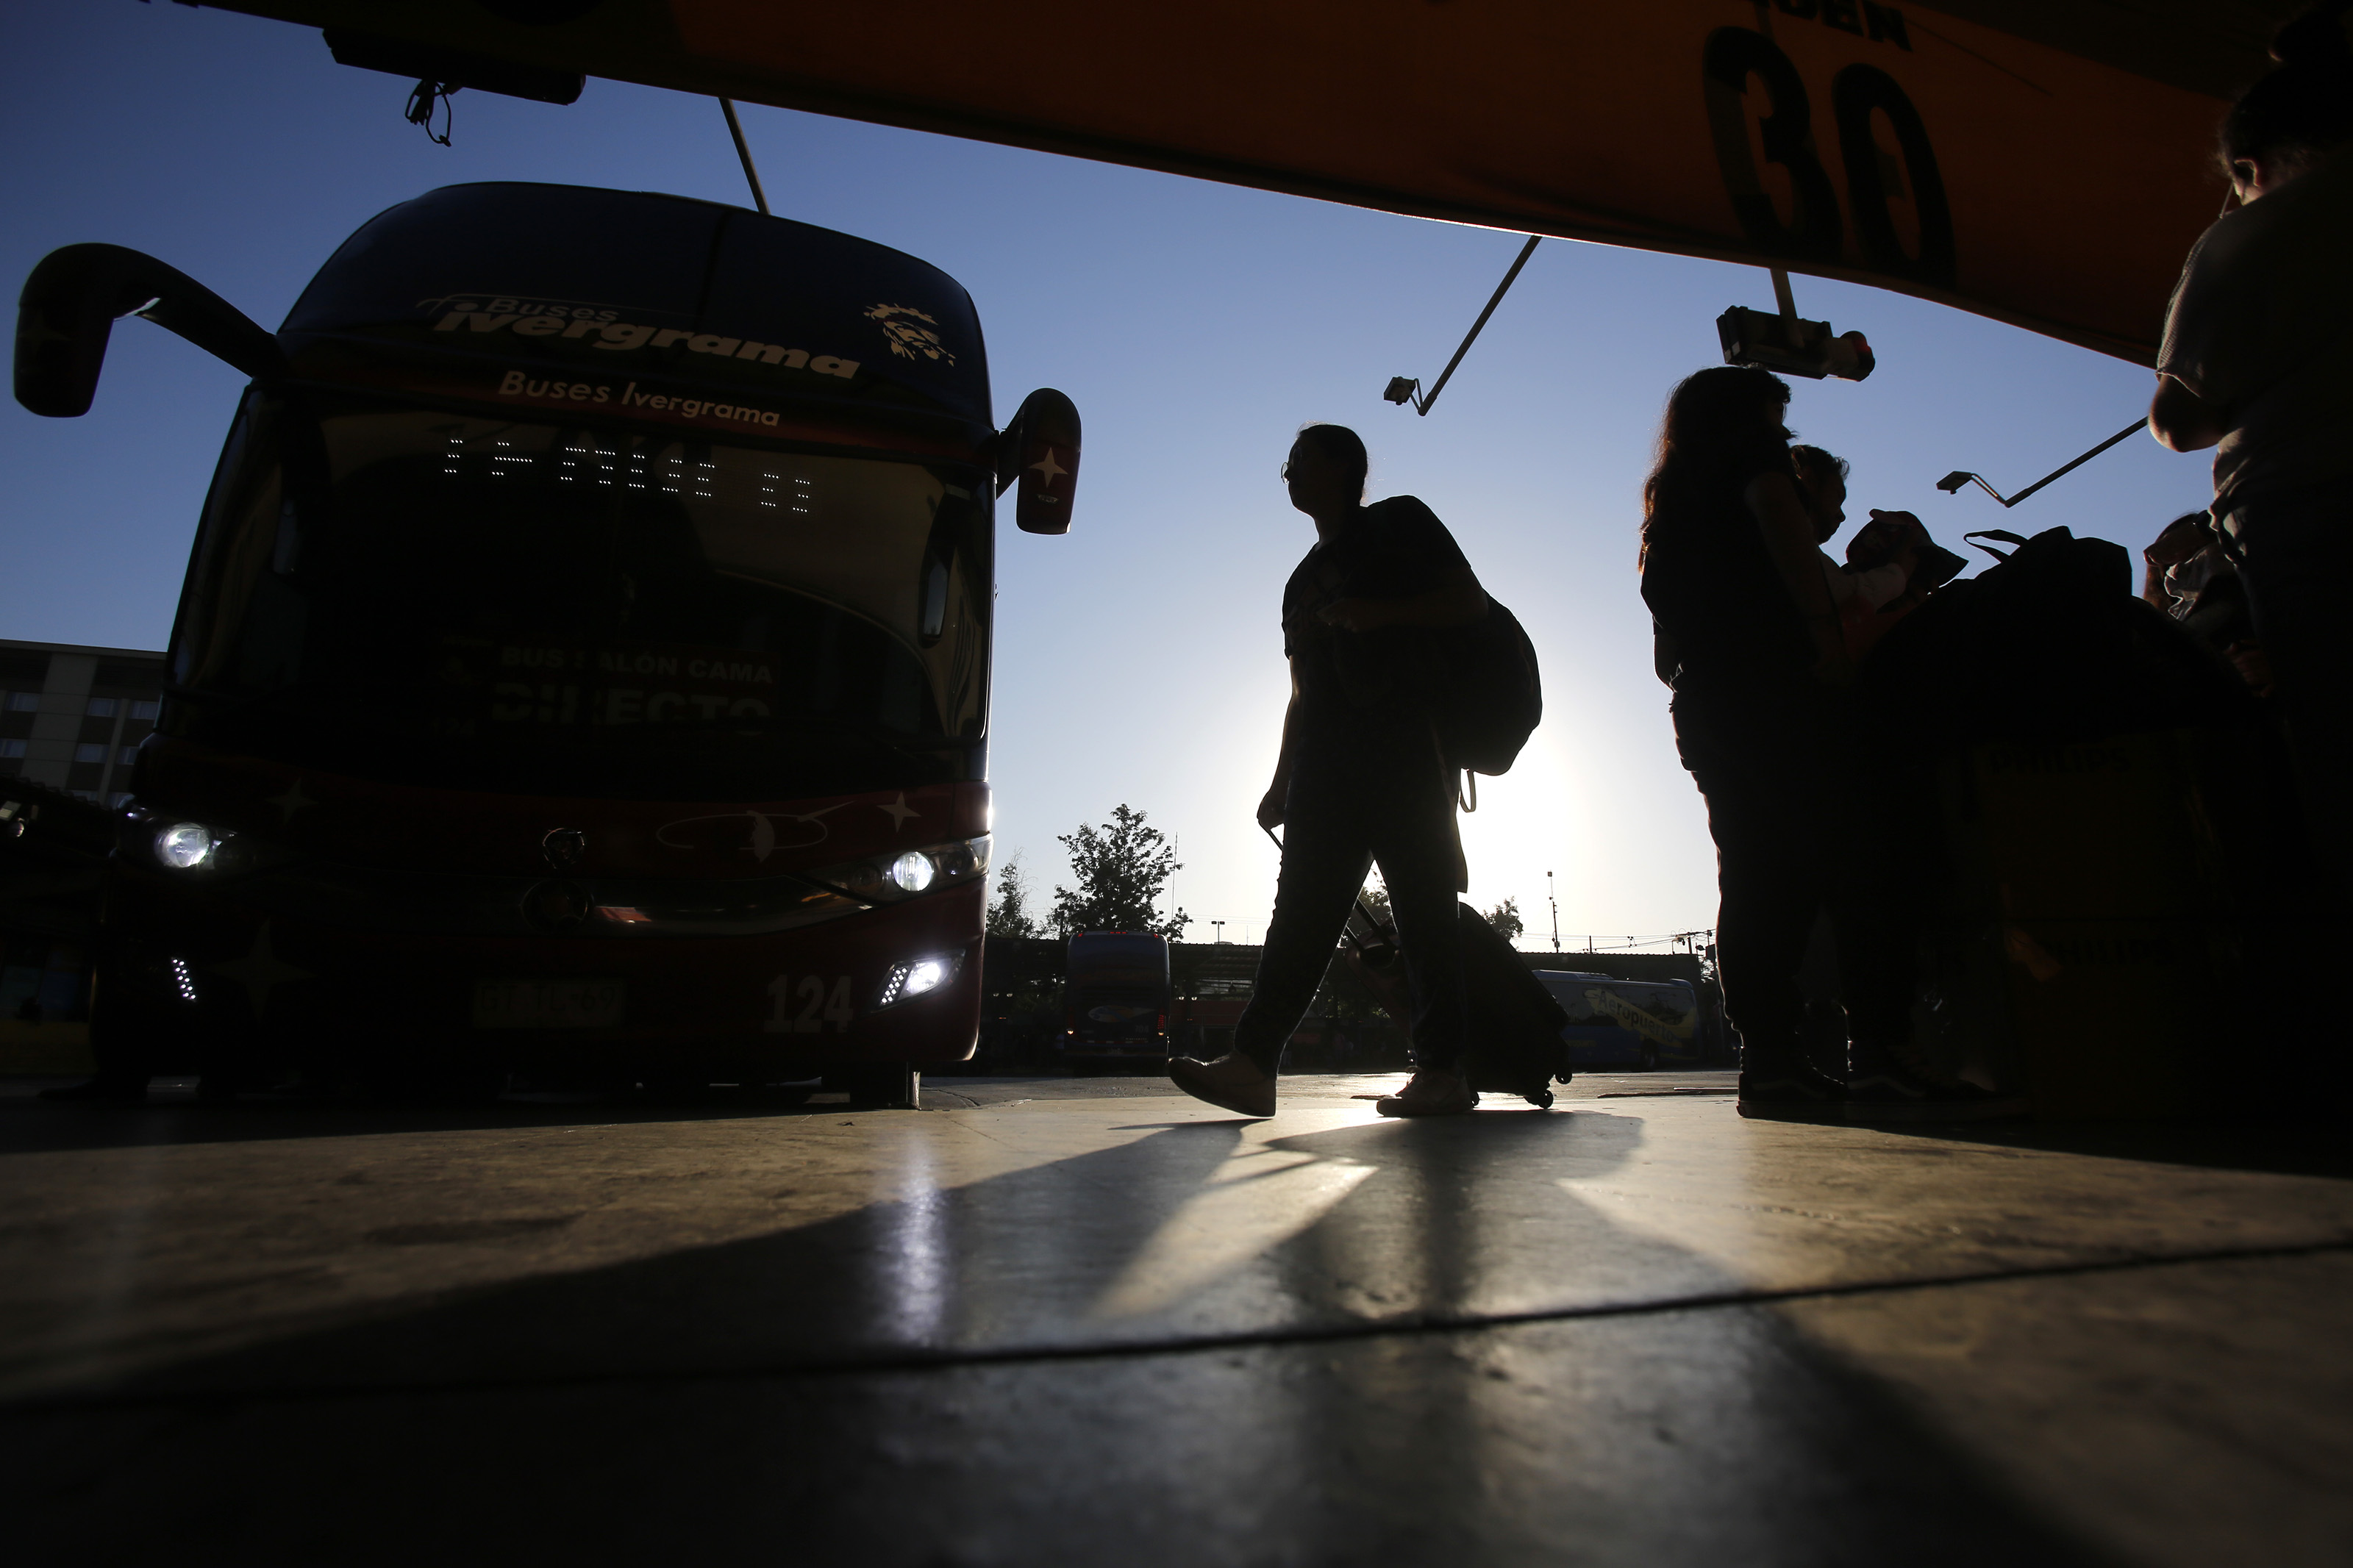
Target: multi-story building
[(72, 718)]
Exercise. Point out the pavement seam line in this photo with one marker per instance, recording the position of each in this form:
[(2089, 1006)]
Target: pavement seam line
[(1017, 1355)]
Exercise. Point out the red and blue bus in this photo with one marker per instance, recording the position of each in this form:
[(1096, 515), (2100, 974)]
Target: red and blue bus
[(583, 664), (1626, 1022), (1115, 996)]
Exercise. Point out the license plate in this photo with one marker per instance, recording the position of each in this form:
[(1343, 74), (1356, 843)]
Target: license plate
[(548, 1004)]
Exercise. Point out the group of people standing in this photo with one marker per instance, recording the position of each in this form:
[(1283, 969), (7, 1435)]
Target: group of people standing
[(1759, 634), (1758, 631)]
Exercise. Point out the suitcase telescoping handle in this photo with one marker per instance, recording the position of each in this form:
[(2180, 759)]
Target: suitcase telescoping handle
[(1371, 920)]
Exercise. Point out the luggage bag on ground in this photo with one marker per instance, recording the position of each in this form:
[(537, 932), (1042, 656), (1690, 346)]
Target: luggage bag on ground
[(1514, 1044)]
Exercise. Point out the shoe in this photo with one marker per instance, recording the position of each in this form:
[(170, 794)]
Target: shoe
[(1432, 1091), (101, 1091), (1232, 1082), (1789, 1090), (1886, 1090)]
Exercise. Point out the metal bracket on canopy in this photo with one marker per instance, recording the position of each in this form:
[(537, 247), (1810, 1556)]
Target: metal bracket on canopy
[(1404, 389), (1951, 483), (744, 151)]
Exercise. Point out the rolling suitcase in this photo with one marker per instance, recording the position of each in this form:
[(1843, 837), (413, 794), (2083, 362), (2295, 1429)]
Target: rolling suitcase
[(1515, 1045)]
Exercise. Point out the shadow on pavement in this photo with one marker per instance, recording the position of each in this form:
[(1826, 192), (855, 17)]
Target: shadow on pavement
[(947, 1378), (172, 1115), (2277, 1148)]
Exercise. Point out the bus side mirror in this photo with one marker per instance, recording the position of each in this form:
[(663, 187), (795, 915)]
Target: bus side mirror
[(1039, 453), (68, 310)]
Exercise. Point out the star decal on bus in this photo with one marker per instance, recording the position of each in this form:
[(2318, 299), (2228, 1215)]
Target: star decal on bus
[(1047, 469), (292, 801), (899, 811), (260, 971)]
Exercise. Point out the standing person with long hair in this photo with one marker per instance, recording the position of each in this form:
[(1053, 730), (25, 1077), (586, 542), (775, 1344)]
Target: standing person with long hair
[(1360, 778), (1734, 579), (2258, 341), (1731, 574)]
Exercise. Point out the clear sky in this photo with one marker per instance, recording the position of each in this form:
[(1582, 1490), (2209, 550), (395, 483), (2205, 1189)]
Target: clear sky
[(1139, 658)]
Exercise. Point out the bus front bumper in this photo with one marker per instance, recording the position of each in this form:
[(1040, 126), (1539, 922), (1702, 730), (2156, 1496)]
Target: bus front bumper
[(898, 983)]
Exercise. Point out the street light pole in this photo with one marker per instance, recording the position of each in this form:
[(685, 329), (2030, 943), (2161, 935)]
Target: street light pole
[(1555, 911)]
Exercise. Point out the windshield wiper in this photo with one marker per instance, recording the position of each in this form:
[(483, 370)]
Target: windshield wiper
[(897, 741), (236, 702), (914, 748), (871, 734)]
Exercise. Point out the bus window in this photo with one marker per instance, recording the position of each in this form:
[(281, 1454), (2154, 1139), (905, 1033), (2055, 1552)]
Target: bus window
[(492, 604)]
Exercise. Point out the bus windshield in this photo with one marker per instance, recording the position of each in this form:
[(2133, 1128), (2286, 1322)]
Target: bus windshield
[(538, 608)]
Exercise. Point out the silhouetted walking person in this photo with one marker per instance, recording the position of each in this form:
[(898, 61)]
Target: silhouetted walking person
[(1361, 779)]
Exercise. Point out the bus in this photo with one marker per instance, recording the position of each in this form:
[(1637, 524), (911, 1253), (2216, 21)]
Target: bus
[(1116, 998), (582, 667), (1626, 1022)]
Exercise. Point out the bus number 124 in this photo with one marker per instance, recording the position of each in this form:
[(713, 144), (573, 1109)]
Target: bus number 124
[(805, 1005)]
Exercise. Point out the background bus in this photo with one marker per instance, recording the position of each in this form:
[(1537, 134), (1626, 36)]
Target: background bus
[(1116, 998), (1622, 1023), (583, 665)]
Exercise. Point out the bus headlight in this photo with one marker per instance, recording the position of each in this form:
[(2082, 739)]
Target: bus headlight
[(887, 879), (185, 846), (147, 836), (914, 977)]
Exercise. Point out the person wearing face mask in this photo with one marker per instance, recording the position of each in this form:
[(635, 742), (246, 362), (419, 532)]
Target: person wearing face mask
[(2258, 340)]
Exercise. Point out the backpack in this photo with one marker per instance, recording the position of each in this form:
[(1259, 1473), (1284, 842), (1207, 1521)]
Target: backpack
[(2049, 645), (1488, 693)]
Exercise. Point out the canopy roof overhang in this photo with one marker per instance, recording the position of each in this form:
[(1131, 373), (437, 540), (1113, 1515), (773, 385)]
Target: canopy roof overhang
[(2045, 163)]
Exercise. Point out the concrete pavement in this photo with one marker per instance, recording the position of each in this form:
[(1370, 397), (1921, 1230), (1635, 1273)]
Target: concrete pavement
[(1091, 1320)]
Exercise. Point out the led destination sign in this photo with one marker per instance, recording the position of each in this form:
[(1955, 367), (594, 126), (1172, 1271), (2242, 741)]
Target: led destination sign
[(540, 684)]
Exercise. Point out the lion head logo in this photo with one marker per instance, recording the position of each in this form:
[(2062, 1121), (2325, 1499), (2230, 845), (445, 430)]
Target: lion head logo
[(910, 331)]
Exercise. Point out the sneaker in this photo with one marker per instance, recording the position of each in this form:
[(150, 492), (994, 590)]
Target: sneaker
[(1432, 1091), (1789, 1090), (1887, 1091), (1232, 1082)]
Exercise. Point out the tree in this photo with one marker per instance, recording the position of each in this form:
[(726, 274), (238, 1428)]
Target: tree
[(1506, 918), (1008, 912), (1122, 868)]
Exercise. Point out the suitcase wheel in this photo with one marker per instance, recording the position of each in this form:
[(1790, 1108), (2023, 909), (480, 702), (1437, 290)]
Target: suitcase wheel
[(1541, 1099)]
